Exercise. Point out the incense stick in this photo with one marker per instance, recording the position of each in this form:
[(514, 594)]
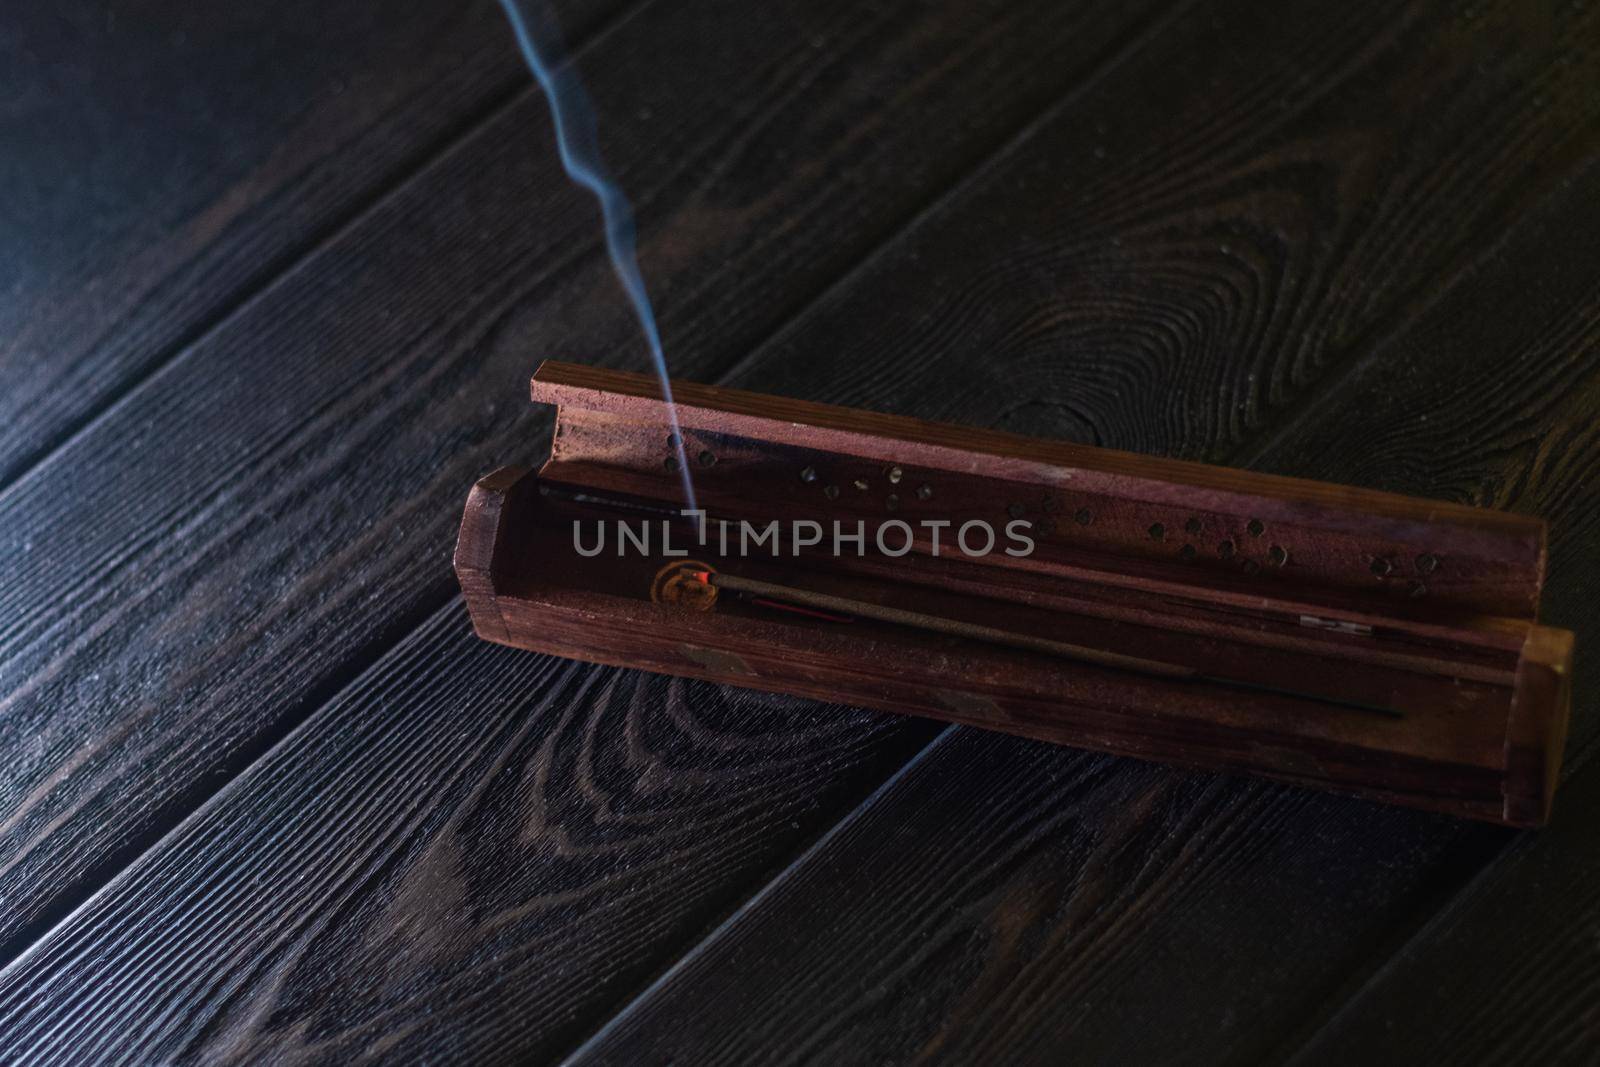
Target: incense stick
[(994, 635)]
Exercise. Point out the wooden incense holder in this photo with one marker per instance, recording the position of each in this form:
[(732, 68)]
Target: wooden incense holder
[(1331, 637)]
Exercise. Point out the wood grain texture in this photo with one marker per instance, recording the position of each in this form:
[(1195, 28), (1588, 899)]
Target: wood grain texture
[(1493, 406), (164, 160), (1175, 258), (1240, 916), (241, 535), (1010, 901), (472, 855), (1508, 972), (367, 389)]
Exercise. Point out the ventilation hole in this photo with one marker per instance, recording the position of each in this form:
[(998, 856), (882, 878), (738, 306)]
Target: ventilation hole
[(1225, 550), (1256, 528), (1157, 531), (1277, 555)]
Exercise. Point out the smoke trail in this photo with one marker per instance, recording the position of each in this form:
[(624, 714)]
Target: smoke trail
[(579, 144)]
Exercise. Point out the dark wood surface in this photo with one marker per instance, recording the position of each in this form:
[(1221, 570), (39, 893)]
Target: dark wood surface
[(282, 276), (165, 162), (301, 468)]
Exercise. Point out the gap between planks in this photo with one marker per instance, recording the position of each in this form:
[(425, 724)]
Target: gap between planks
[(985, 156), (1436, 910), (1462, 896), (801, 858), (1370, 349), (1294, 413), (507, 96)]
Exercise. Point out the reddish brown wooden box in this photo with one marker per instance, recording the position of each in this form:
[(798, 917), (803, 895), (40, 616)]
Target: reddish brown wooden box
[(1425, 608)]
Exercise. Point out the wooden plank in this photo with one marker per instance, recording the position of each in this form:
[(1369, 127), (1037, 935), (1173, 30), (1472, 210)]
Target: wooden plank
[(1505, 974), (178, 977), (469, 856), (1009, 901), (216, 557), (164, 162), (1006, 898), (1170, 266)]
